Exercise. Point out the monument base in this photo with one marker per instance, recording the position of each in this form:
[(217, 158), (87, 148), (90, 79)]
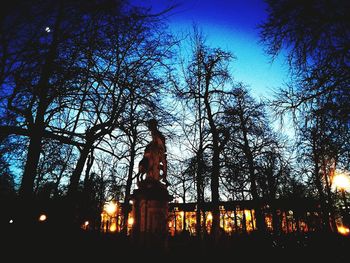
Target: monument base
[(150, 213)]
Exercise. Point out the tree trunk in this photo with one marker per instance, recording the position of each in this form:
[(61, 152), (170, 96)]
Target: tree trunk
[(199, 178), (244, 220), (214, 180), (33, 155), (258, 213), (64, 167), (87, 208), (215, 192), (272, 199), (38, 128), (253, 188), (74, 180), (330, 205), (87, 179), (128, 184), (322, 198), (184, 227), (199, 198), (235, 219)]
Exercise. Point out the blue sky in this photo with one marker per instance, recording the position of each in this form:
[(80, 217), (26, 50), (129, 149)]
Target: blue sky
[(230, 25)]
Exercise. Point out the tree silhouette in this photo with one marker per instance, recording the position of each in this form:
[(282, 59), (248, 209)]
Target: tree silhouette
[(206, 75), (315, 35)]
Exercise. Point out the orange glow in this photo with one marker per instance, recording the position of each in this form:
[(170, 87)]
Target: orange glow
[(110, 208), (342, 181), (210, 217), (130, 221), (343, 230), (113, 227), (247, 215), (85, 226), (42, 218)]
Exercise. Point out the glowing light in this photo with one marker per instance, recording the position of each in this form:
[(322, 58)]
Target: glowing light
[(85, 226), (342, 181), (47, 29), (248, 216), (110, 208), (210, 216), (343, 230), (130, 221), (42, 218), (11, 221), (113, 227)]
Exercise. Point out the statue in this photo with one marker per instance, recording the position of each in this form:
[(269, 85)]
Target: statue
[(151, 198), (154, 158)]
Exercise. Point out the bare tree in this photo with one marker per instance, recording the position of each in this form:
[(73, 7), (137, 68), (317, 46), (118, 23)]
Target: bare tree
[(87, 74), (316, 37), (249, 125), (273, 174), (206, 76), (47, 66)]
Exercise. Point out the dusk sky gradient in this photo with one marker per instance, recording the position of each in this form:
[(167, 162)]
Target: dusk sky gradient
[(233, 26)]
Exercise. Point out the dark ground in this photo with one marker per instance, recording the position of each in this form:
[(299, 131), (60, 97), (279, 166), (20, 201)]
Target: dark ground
[(52, 244)]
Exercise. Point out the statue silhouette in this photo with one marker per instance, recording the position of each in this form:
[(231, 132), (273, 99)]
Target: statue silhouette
[(154, 158)]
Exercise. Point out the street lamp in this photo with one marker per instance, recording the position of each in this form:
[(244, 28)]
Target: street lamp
[(42, 218)]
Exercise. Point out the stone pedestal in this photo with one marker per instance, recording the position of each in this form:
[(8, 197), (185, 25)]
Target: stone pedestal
[(150, 213)]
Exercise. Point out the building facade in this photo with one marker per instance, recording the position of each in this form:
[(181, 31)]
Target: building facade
[(236, 217)]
